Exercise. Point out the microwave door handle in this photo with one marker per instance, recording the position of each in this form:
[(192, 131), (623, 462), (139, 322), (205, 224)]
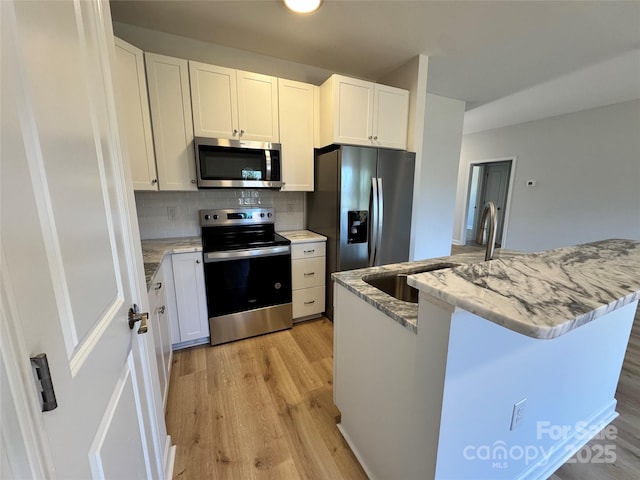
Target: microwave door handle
[(373, 224), (267, 156)]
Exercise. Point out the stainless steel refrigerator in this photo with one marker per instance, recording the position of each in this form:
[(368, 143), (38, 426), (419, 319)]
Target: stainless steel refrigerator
[(362, 204)]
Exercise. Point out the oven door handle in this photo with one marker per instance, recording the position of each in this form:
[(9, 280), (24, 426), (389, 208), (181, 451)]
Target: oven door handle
[(224, 256)]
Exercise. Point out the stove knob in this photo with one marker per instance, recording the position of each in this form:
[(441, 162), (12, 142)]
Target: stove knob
[(262, 215), (215, 217), (207, 217), (269, 215)]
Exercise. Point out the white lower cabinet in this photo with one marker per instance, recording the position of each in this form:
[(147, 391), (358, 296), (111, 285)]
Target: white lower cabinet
[(308, 279), (160, 298), (191, 322)]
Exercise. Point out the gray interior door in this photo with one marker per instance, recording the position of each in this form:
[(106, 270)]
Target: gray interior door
[(496, 184), (396, 169)]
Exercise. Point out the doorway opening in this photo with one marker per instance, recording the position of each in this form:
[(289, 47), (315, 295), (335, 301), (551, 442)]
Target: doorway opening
[(489, 181)]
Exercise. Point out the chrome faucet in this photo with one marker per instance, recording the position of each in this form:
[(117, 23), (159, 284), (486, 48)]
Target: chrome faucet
[(488, 214)]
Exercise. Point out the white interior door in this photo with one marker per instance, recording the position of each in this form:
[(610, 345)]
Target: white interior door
[(71, 267)]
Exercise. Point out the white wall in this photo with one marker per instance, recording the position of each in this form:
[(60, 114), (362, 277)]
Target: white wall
[(587, 169), (435, 183), (187, 48)]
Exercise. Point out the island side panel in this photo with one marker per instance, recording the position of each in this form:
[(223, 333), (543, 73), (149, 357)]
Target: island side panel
[(568, 382), (374, 371)]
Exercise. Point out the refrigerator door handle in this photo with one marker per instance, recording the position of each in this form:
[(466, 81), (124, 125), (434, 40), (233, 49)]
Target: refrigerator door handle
[(373, 221), (379, 219)]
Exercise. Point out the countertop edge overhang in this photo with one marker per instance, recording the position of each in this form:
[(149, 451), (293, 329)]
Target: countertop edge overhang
[(541, 295), (154, 250)]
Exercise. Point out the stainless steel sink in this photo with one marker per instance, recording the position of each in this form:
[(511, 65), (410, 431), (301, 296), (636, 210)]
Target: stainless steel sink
[(395, 284)]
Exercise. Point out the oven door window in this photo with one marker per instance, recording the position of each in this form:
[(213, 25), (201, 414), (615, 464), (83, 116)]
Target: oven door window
[(245, 284), (222, 163)]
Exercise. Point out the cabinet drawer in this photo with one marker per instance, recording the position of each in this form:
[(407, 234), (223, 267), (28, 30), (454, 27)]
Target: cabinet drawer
[(307, 250), (308, 301), (307, 272)]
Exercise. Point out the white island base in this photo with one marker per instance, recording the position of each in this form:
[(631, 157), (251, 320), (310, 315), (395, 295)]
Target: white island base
[(439, 404)]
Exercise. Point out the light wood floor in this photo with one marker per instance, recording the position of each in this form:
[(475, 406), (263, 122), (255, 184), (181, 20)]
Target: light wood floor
[(262, 408), (259, 408)]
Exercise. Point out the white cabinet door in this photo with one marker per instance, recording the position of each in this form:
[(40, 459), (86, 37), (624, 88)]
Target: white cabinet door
[(258, 107), (353, 110), (233, 104), (188, 277), (134, 118), (357, 112), (214, 99), (298, 119), (390, 117), (159, 316), (170, 102)]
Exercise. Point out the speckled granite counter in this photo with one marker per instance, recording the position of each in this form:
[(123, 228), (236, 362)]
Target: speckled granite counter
[(303, 236), (154, 250), (405, 313), (546, 294)]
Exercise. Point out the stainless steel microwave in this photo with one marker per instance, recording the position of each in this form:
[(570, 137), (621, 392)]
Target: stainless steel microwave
[(224, 163)]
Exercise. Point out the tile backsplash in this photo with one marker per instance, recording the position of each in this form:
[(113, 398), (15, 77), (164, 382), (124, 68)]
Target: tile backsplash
[(175, 214)]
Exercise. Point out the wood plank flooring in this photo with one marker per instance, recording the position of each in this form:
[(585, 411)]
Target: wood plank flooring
[(262, 408), (259, 408)]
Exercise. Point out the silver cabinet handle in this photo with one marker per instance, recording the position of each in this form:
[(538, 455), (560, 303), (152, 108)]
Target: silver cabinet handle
[(158, 286), (235, 132), (310, 251), (309, 303), (241, 132), (154, 181), (310, 274), (375, 138), (162, 309), (197, 261), (193, 181)]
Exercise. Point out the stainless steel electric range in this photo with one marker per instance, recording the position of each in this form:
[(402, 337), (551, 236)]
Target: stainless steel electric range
[(247, 269)]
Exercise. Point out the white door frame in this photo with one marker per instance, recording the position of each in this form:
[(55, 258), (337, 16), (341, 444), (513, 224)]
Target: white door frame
[(507, 208)]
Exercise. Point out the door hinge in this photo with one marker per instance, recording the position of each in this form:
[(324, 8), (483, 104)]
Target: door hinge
[(41, 366)]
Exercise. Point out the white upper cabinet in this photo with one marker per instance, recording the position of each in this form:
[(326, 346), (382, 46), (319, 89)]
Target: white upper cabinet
[(298, 124), (234, 104), (170, 102), (135, 120), (358, 112), (390, 117)]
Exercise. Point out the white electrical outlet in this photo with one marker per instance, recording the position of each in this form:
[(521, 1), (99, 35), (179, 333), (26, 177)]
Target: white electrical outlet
[(518, 413)]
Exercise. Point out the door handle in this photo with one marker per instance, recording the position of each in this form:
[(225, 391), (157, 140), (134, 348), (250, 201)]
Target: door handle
[(135, 316)]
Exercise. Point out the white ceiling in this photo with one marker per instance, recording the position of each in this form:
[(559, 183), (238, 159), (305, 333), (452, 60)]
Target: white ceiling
[(511, 61)]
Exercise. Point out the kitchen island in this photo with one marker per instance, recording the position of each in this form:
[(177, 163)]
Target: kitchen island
[(507, 369)]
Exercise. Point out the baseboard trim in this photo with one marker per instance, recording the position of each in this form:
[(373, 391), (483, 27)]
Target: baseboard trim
[(355, 451), (169, 459), (569, 447)]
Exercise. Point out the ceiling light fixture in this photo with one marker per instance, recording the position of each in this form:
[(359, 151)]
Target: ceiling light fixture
[(303, 6)]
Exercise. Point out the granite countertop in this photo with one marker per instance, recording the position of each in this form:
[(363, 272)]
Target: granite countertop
[(405, 313), (546, 294), (303, 236), (154, 250)]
